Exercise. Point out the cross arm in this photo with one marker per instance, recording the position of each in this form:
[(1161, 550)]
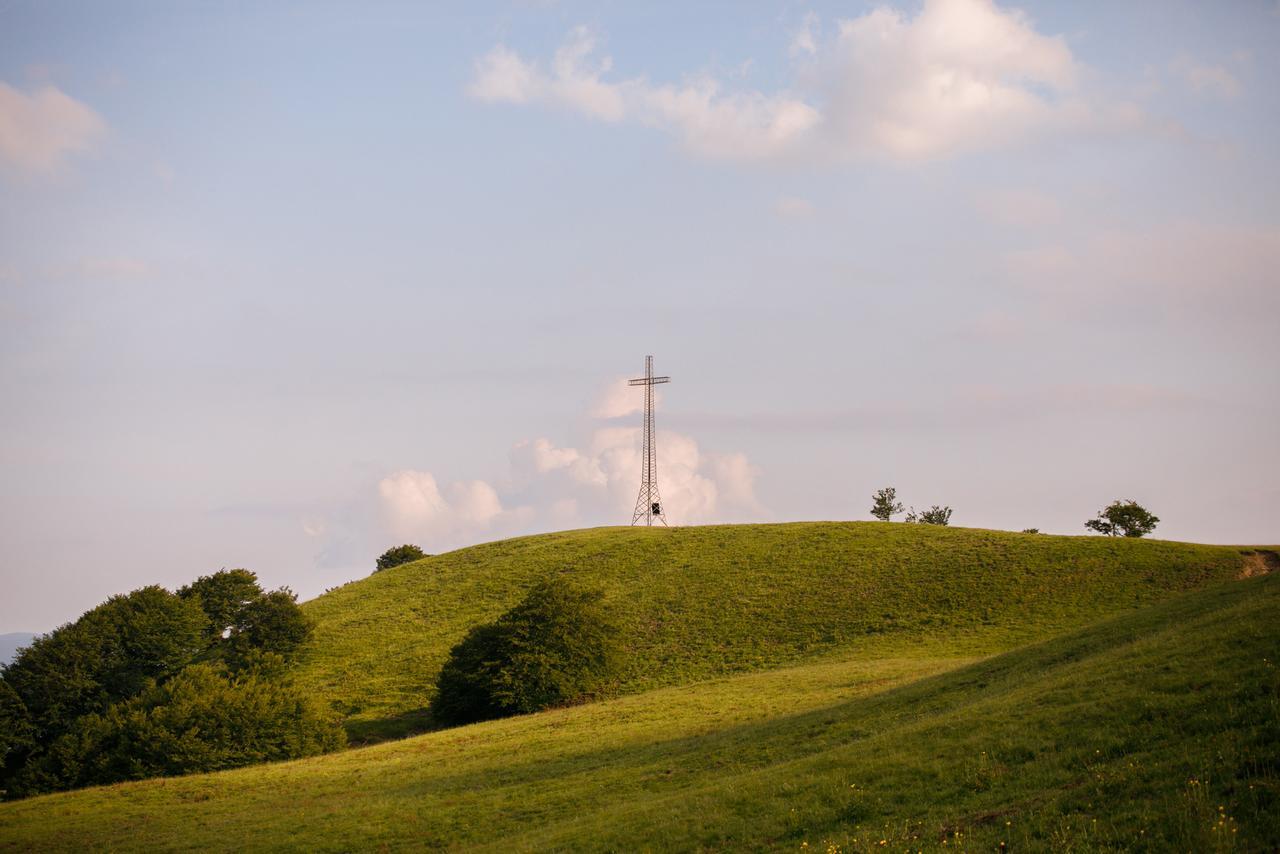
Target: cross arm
[(649, 381)]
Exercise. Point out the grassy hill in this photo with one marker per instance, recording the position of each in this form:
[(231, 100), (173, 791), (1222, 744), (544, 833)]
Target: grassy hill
[(703, 602), (1155, 730)]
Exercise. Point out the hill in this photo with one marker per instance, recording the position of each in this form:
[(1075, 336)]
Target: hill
[(1156, 730), (702, 602)]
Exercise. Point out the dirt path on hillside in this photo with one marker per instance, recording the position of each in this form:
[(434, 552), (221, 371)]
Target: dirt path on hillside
[(1261, 562)]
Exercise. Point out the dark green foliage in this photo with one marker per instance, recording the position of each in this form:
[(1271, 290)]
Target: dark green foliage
[(16, 732), (398, 555), (111, 653), (271, 623), (1030, 530), (884, 504), (223, 597), (107, 698), (558, 646), (1125, 518), (935, 515), (203, 719)]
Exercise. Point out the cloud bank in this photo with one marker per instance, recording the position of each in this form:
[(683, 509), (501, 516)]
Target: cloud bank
[(961, 75)]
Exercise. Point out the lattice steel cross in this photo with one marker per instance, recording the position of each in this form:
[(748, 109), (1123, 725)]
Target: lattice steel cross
[(648, 502)]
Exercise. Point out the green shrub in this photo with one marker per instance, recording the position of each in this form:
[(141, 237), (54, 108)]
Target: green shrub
[(398, 555), (558, 646)]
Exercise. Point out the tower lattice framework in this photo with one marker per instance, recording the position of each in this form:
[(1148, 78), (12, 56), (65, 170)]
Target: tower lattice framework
[(649, 502)]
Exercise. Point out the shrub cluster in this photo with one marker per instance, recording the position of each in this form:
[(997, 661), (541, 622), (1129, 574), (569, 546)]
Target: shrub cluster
[(556, 647), (153, 682)]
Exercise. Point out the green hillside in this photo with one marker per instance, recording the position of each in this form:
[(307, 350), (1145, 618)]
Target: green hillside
[(1157, 730), (702, 602)]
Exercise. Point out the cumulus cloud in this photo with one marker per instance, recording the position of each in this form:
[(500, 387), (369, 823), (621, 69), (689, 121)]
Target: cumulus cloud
[(551, 487), (416, 507), (959, 75), (748, 124), (38, 131)]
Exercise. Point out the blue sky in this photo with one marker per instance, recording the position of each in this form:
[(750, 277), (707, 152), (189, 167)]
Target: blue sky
[(282, 285)]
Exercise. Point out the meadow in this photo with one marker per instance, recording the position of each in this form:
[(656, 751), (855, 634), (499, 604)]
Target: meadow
[(1157, 730), (701, 602)]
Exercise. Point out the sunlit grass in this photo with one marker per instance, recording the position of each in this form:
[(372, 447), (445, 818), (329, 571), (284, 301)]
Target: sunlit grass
[(708, 601), (1158, 730)]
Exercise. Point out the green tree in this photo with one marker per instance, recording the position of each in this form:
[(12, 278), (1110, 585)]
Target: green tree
[(110, 653), (223, 597), (884, 504), (557, 646), (1123, 518), (203, 719), (935, 515), (399, 555), (17, 735), (272, 623)]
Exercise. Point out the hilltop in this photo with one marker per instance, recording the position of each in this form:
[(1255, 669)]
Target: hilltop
[(704, 602), (1156, 730)]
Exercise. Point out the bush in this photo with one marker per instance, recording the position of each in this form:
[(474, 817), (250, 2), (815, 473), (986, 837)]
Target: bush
[(558, 646), (203, 719), (400, 554), (935, 515)]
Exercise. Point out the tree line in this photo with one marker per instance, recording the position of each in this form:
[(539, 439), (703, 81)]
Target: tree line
[(1120, 518)]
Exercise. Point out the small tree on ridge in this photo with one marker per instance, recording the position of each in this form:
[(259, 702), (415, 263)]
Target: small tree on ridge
[(1123, 518), (884, 504)]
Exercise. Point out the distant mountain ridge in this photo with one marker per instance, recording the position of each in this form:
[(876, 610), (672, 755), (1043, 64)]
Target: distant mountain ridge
[(11, 643)]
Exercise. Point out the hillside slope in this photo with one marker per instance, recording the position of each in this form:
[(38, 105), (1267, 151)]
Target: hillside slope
[(707, 601), (1158, 730)]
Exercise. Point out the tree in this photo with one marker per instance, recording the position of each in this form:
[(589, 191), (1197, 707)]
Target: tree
[(557, 646), (110, 653), (935, 515), (398, 555), (203, 719), (223, 597), (884, 504), (16, 732), (272, 623), (1123, 518), (1030, 530)]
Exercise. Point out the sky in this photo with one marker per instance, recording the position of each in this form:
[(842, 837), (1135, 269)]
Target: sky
[(285, 284)]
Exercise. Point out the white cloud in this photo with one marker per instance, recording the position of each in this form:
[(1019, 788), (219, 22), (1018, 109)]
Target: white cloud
[(1211, 80), (551, 487), (619, 399), (805, 41), (960, 75), (735, 124), (414, 506), (39, 130)]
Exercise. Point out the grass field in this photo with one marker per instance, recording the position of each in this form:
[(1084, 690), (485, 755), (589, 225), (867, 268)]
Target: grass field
[(702, 602), (1156, 730)]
